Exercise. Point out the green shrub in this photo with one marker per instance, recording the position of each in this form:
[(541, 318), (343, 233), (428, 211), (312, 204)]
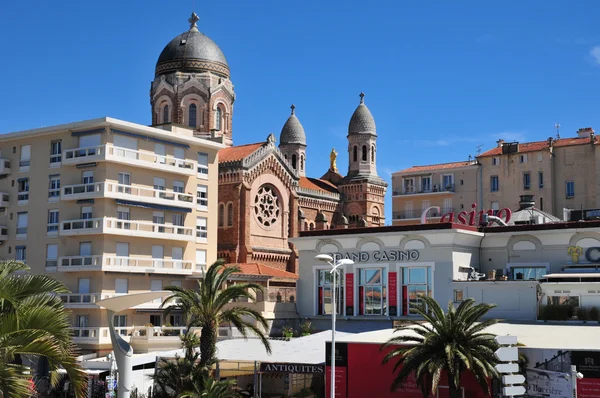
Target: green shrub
[(594, 314), (556, 312)]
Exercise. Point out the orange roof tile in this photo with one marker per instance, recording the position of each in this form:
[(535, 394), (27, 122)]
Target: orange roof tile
[(317, 184), (264, 270), (541, 145), (238, 152), (433, 167)]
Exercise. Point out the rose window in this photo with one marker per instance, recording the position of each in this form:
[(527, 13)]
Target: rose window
[(266, 208)]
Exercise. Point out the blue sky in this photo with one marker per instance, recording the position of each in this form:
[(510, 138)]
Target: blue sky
[(440, 78)]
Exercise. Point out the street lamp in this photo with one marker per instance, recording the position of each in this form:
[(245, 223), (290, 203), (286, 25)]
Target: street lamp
[(326, 258)]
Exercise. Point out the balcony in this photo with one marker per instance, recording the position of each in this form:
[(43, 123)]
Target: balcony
[(108, 189), (132, 157), (81, 300), (4, 199), (436, 189), (145, 265), (4, 167), (113, 226)]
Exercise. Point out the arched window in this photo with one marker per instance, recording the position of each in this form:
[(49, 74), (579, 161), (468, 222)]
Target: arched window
[(312, 226), (294, 162), (305, 226), (364, 153), (355, 155), (301, 163), (229, 214), (218, 117), (192, 118), (166, 114), (221, 214), (373, 154)]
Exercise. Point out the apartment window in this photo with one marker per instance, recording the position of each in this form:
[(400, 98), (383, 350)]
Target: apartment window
[(426, 184), (123, 214), (82, 321), (122, 254), (159, 183), (158, 217), (87, 179), (494, 184), (416, 283), (120, 323), (161, 152), (458, 295), (324, 292), (570, 189), (540, 157), (527, 273), (86, 212), (448, 182), (178, 222), (229, 214), (124, 183), (177, 257), (409, 185), (523, 158), (200, 260), (155, 286), (21, 253), (495, 206), (155, 320), (526, 180), (203, 164), (23, 190), (55, 152), (52, 222), (53, 188), (425, 204), (179, 155), (221, 215), (178, 186), (201, 231), (495, 161), (447, 205), (22, 221), (541, 179), (25, 159), (121, 286), (202, 197), (51, 255), (372, 291)]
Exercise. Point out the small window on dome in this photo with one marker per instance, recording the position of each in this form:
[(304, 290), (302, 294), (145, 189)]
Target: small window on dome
[(183, 41), (192, 121), (166, 114), (218, 117), (364, 153)]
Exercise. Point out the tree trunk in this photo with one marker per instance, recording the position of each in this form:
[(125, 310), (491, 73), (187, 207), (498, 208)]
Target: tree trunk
[(208, 341)]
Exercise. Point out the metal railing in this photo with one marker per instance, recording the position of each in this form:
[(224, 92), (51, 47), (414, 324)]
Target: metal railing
[(133, 192)]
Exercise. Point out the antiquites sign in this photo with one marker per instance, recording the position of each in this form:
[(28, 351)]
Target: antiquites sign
[(379, 256), (290, 368)]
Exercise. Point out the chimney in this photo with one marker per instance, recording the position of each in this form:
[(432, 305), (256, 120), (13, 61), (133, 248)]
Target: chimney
[(550, 141), (526, 202), (585, 132), (500, 142)]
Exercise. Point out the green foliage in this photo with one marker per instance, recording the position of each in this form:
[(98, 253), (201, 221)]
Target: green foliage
[(451, 342), (556, 312), (288, 331), (208, 306), (33, 321), (594, 314), (206, 387), (306, 327)]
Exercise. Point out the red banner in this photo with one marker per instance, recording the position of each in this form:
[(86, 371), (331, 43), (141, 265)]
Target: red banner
[(393, 293), (350, 294)]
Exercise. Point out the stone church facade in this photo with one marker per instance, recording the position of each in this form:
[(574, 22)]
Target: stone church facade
[(264, 194)]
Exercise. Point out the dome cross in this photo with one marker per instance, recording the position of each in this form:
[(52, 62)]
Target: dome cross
[(193, 19)]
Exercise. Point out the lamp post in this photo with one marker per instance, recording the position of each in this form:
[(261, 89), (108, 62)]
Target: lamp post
[(326, 258)]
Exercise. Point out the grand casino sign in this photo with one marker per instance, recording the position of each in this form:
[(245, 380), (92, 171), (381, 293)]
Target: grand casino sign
[(466, 218)]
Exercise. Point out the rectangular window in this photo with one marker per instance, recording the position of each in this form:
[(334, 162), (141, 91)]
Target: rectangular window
[(528, 273), (200, 260), (447, 206), (90, 141), (159, 183), (201, 231), (21, 253), (82, 321), (448, 182), (426, 184), (121, 286), (177, 219), (409, 185), (122, 252), (83, 285), (324, 292), (541, 179), (87, 179), (203, 165), (202, 198), (495, 161), (458, 295), (124, 183), (495, 207), (178, 186), (155, 286), (161, 151), (526, 181), (372, 291), (523, 158), (177, 256), (23, 190), (425, 204), (540, 157), (22, 221), (158, 217), (55, 152), (416, 283), (86, 212), (570, 189), (120, 322), (25, 159), (158, 256), (52, 227), (51, 255), (123, 214), (155, 320), (53, 188), (494, 184)]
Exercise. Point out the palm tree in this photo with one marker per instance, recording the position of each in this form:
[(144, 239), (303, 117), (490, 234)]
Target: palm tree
[(207, 387), (207, 307), (451, 342), (34, 322)]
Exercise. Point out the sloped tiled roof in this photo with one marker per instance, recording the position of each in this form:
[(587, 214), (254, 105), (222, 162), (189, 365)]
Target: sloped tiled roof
[(238, 152), (317, 184), (541, 145), (435, 167), (263, 270)]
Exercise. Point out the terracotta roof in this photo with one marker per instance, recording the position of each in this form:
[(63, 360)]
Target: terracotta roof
[(541, 145), (238, 152), (317, 184), (434, 167), (263, 270)]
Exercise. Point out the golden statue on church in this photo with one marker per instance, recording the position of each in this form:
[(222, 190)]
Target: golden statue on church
[(332, 158)]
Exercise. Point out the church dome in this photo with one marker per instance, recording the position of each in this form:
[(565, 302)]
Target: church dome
[(292, 131), (190, 52), (362, 121)]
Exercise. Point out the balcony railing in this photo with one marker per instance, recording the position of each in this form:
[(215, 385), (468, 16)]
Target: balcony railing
[(81, 300), (433, 189), (408, 214), (125, 264), (109, 189), (134, 157), (110, 225), (4, 166)]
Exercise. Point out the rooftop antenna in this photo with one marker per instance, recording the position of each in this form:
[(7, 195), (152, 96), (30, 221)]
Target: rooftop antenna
[(557, 126), (479, 148)]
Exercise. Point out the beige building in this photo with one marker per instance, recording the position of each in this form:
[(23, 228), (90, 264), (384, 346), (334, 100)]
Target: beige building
[(110, 207), (450, 186), (559, 173)]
